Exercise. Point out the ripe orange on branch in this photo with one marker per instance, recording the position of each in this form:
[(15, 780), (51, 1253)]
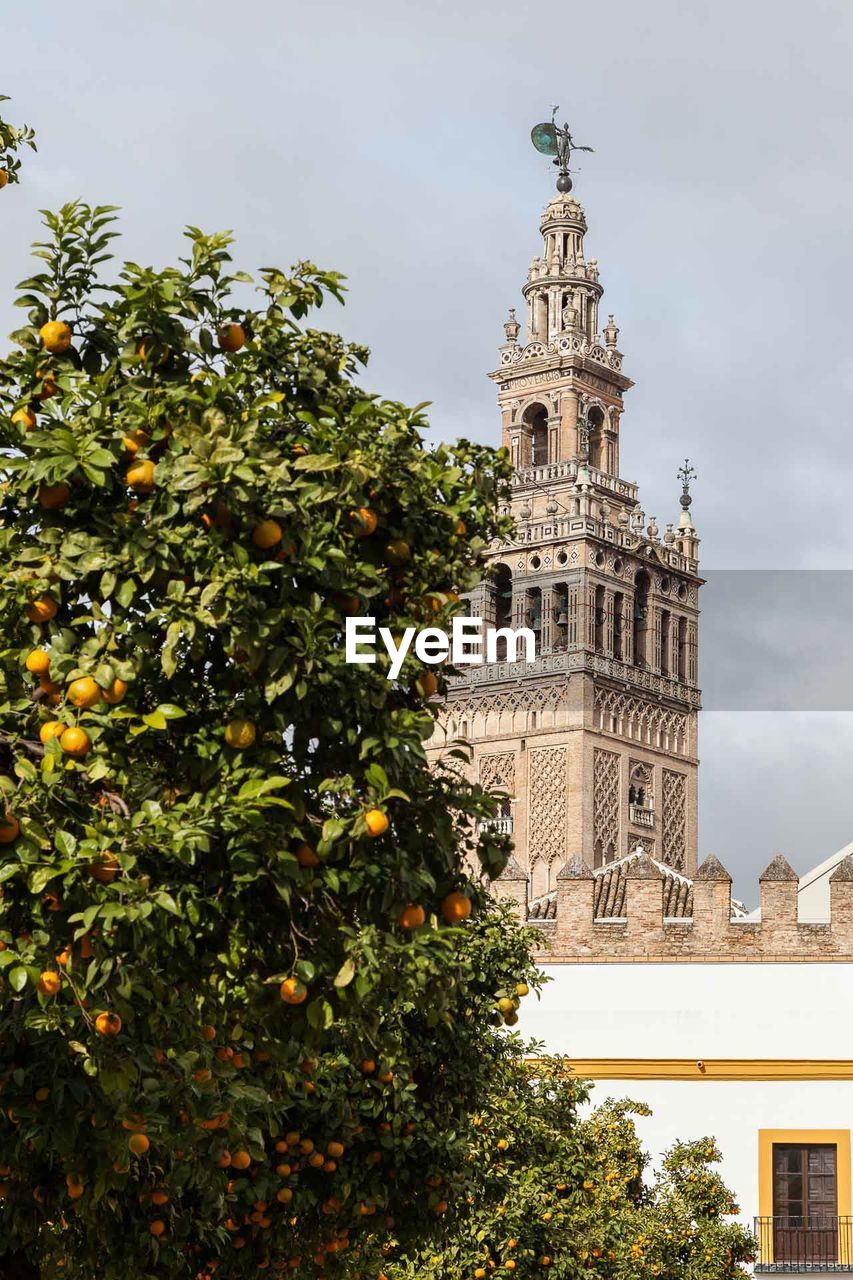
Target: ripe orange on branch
[(455, 907), (412, 917), (267, 534), (240, 734), (49, 983), (364, 521), (376, 822), (114, 693), (52, 497), (108, 1024), (292, 991), (38, 661), (10, 828), (138, 1144), (42, 609), (27, 419), (104, 868), (50, 730), (75, 742), (140, 476), (231, 337), (55, 336), (84, 692)]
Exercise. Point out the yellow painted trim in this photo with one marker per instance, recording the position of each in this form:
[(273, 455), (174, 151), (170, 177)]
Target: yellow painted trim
[(713, 1068), (838, 1138)]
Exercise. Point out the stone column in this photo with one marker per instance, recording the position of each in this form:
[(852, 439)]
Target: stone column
[(512, 884), (547, 619), (569, 426), (644, 903)]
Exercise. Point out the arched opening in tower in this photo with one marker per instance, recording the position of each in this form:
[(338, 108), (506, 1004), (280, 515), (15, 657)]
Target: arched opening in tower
[(502, 605), (595, 418), (641, 619), (536, 419)]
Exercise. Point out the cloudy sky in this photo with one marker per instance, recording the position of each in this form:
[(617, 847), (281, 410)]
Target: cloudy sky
[(390, 140)]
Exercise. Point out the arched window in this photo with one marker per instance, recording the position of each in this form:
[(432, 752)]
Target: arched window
[(595, 418), (502, 599), (600, 619), (665, 640), (536, 419), (682, 649), (641, 615), (560, 629), (618, 619)]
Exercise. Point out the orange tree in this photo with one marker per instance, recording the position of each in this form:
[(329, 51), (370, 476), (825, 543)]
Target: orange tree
[(552, 1190), (243, 1008)]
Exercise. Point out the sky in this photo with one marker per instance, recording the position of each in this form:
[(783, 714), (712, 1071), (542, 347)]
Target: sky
[(390, 141)]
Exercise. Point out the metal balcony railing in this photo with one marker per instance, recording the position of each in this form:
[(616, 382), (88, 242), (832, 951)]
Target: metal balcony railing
[(503, 826), (803, 1244)]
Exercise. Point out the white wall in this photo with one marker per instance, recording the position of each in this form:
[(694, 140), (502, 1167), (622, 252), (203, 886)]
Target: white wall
[(751, 1011), (694, 1011)]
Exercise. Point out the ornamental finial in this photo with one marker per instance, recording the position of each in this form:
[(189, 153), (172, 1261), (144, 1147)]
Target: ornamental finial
[(551, 140), (686, 474)]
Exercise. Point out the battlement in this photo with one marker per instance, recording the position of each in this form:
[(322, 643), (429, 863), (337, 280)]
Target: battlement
[(638, 909)]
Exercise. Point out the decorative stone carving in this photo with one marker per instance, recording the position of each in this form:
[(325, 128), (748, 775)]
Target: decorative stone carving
[(547, 792), (605, 806), (497, 772), (674, 818)]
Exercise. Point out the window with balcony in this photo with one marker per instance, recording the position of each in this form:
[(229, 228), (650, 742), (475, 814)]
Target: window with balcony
[(805, 1181)]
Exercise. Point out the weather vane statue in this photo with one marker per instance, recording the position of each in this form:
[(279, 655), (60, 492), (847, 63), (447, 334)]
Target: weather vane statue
[(551, 140)]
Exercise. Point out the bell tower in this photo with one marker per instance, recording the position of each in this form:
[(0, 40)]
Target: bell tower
[(595, 742)]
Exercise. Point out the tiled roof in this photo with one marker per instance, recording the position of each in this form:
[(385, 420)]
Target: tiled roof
[(610, 890)]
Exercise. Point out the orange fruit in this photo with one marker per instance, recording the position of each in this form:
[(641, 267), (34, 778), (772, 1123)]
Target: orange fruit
[(159, 1197), (208, 1033), (41, 609), (27, 419), (306, 857), (427, 684), (48, 384), (49, 983), (75, 742), (138, 1144), (376, 822), (114, 692), (84, 692), (397, 552), (10, 828), (157, 1227), (241, 1160), (231, 337), (455, 907), (75, 1185), (140, 476), (108, 1024), (104, 868), (224, 1160), (53, 496), (522, 989), (460, 528), (240, 734), (335, 1149), (292, 991), (368, 1067), (38, 661), (50, 730), (365, 522), (55, 336), (284, 1196), (4, 178), (267, 534), (413, 917), (135, 440)]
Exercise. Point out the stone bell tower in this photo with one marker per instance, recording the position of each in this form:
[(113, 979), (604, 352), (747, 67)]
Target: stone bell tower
[(595, 743)]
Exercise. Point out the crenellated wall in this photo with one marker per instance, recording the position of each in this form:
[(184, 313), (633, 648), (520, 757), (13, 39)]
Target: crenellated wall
[(712, 932)]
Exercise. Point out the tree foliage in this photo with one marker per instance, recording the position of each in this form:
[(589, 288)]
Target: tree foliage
[(554, 1190), (220, 1048), (12, 139)]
